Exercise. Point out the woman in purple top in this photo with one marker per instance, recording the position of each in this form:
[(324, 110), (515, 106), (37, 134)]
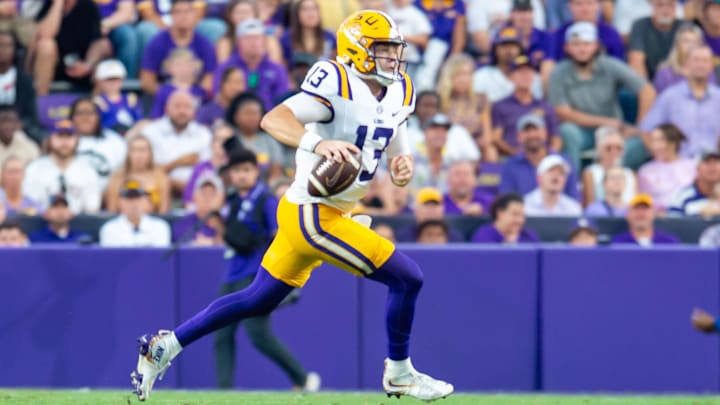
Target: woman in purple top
[(667, 173), (232, 83), (184, 70), (11, 196), (508, 215), (672, 70), (306, 34)]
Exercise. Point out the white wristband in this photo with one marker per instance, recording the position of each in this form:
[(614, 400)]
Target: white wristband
[(309, 141)]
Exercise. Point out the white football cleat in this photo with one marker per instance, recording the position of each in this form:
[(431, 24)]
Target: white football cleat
[(312, 382), (156, 352), (406, 380)]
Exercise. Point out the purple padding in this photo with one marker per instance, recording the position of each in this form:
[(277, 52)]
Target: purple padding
[(618, 319), (320, 330), (54, 107), (475, 323), (71, 316)]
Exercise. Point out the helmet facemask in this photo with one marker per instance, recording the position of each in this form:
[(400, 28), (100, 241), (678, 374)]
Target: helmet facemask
[(385, 53)]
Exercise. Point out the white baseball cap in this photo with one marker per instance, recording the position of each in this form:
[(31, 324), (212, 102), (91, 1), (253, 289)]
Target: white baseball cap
[(250, 27), (551, 161), (110, 69), (581, 31)]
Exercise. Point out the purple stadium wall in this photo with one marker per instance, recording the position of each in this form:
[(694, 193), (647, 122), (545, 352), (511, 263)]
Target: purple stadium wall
[(517, 319)]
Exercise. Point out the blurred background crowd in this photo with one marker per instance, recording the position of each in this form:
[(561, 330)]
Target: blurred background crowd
[(585, 109)]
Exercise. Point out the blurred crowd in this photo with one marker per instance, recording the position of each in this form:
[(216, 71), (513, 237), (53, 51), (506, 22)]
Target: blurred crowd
[(573, 108)]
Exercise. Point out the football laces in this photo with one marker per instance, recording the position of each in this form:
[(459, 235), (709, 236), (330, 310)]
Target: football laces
[(324, 167)]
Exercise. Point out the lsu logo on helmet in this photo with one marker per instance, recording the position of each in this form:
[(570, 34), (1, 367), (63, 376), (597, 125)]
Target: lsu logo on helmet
[(356, 38)]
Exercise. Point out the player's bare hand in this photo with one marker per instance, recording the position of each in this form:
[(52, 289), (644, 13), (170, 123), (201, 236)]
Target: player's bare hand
[(401, 167), (336, 150), (703, 321)]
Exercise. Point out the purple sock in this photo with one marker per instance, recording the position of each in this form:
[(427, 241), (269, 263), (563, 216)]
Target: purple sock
[(404, 279), (259, 298)]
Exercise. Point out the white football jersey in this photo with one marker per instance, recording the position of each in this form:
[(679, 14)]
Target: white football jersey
[(356, 116)]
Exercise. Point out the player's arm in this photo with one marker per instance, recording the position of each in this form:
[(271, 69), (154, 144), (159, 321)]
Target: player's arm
[(286, 123), (400, 158)]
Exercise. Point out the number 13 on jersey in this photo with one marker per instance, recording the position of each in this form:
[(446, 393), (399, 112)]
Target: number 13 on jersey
[(379, 133)]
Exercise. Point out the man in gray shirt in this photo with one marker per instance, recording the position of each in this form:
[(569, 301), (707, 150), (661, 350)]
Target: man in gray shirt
[(584, 91), (652, 37)]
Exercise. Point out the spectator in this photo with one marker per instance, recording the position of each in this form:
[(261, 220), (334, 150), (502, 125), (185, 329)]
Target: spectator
[(428, 206), (13, 141), (306, 33), (416, 29), (280, 186), (518, 174), (487, 18), (696, 199), (460, 145), (69, 44), (102, 148), (379, 199), (583, 233), (218, 158), (667, 172), (586, 11), (432, 232), (117, 19), (691, 105), (3, 212), (237, 12), (245, 113), (140, 166), (558, 13), (203, 226), (183, 71), (460, 103), (585, 94), (118, 111), (675, 69), (507, 112), (528, 17), (232, 83), (385, 231), (462, 196), (11, 235), (609, 148), (134, 227), (62, 171), (641, 230), (178, 141), (710, 22), (430, 160), (548, 198), (652, 37), (11, 193), (612, 203), (710, 237), (508, 222), (16, 22), (448, 23), (17, 89), (265, 78), (157, 15), (58, 217), (181, 34), (494, 79)]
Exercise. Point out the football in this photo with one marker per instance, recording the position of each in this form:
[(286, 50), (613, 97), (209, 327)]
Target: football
[(330, 177)]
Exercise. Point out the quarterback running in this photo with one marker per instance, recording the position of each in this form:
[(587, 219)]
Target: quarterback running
[(357, 104)]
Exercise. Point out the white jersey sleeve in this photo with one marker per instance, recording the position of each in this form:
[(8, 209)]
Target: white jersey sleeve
[(399, 144), (307, 108)]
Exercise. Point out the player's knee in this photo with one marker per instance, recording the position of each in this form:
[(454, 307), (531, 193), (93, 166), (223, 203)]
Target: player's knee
[(414, 277)]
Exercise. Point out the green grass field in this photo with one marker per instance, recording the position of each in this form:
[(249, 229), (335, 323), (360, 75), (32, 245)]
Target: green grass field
[(165, 397)]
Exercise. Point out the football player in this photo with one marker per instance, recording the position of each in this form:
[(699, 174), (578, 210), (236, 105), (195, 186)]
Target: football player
[(358, 103)]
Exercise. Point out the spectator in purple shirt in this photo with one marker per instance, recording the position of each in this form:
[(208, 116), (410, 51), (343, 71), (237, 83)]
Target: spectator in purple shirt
[(58, 230), (232, 84), (218, 158), (674, 69), (265, 78), (200, 227), (518, 172), (691, 105), (157, 15), (117, 21), (612, 203), (588, 11), (183, 69), (432, 232), (181, 34), (11, 195), (508, 222), (463, 197), (428, 206), (710, 21), (507, 112), (641, 230)]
